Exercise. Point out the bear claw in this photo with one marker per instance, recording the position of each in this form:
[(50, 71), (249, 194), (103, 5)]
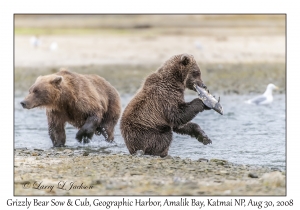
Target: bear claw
[(204, 139), (86, 140), (85, 135)]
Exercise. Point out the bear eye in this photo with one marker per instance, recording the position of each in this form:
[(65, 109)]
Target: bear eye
[(35, 91), (196, 73)]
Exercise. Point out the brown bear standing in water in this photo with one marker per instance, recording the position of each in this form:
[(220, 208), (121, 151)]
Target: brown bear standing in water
[(158, 108), (87, 102)]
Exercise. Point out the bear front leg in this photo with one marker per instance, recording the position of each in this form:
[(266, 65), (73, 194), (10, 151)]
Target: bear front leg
[(87, 131), (185, 112), (56, 129), (193, 130)]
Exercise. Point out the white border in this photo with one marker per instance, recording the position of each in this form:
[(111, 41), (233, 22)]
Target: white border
[(6, 57)]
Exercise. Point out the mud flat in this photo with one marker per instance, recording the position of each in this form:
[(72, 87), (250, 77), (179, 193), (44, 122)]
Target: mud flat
[(234, 64), (68, 172)]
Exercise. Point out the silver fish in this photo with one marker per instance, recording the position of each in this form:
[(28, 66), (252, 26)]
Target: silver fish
[(209, 100)]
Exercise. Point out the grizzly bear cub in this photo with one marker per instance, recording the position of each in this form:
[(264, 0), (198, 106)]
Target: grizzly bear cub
[(158, 108), (88, 102)]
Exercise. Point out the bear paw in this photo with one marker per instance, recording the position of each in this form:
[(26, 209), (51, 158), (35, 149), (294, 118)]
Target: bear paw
[(102, 131), (204, 139), (85, 135)]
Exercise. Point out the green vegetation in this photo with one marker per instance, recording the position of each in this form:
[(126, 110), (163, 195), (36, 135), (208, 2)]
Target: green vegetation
[(244, 77), (227, 78)]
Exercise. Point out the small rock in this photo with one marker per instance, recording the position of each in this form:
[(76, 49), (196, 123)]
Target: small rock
[(77, 152), (227, 192), (41, 150), (35, 154), (168, 157), (68, 151), (96, 182), (219, 161), (224, 173), (275, 169), (56, 177), (139, 153), (21, 148), (113, 187), (202, 160), (85, 153), (187, 161), (135, 173), (251, 175)]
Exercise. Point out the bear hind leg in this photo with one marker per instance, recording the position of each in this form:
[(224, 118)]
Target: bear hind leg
[(107, 127), (158, 144)]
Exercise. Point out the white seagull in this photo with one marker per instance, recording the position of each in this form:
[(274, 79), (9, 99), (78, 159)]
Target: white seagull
[(34, 41), (265, 98)]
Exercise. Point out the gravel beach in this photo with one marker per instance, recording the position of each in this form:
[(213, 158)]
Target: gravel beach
[(68, 172)]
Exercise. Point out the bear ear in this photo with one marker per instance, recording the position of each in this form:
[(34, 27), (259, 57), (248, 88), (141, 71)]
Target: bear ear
[(63, 69), (185, 59), (57, 80), (39, 77)]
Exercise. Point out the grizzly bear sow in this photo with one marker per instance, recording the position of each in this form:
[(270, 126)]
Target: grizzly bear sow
[(87, 102), (158, 108)]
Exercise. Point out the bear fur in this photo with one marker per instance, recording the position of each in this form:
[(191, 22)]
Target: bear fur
[(158, 108), (88, 102)]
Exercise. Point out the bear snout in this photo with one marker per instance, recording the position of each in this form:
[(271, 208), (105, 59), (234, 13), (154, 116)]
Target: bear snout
[(23, 103)]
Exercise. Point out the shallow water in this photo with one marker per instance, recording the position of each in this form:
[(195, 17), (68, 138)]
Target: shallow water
[(245, 134)]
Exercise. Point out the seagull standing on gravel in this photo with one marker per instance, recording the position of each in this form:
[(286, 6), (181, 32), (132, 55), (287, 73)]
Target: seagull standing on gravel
[(266, 98)]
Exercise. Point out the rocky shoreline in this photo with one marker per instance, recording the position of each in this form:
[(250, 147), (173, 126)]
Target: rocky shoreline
[(78, 172)]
